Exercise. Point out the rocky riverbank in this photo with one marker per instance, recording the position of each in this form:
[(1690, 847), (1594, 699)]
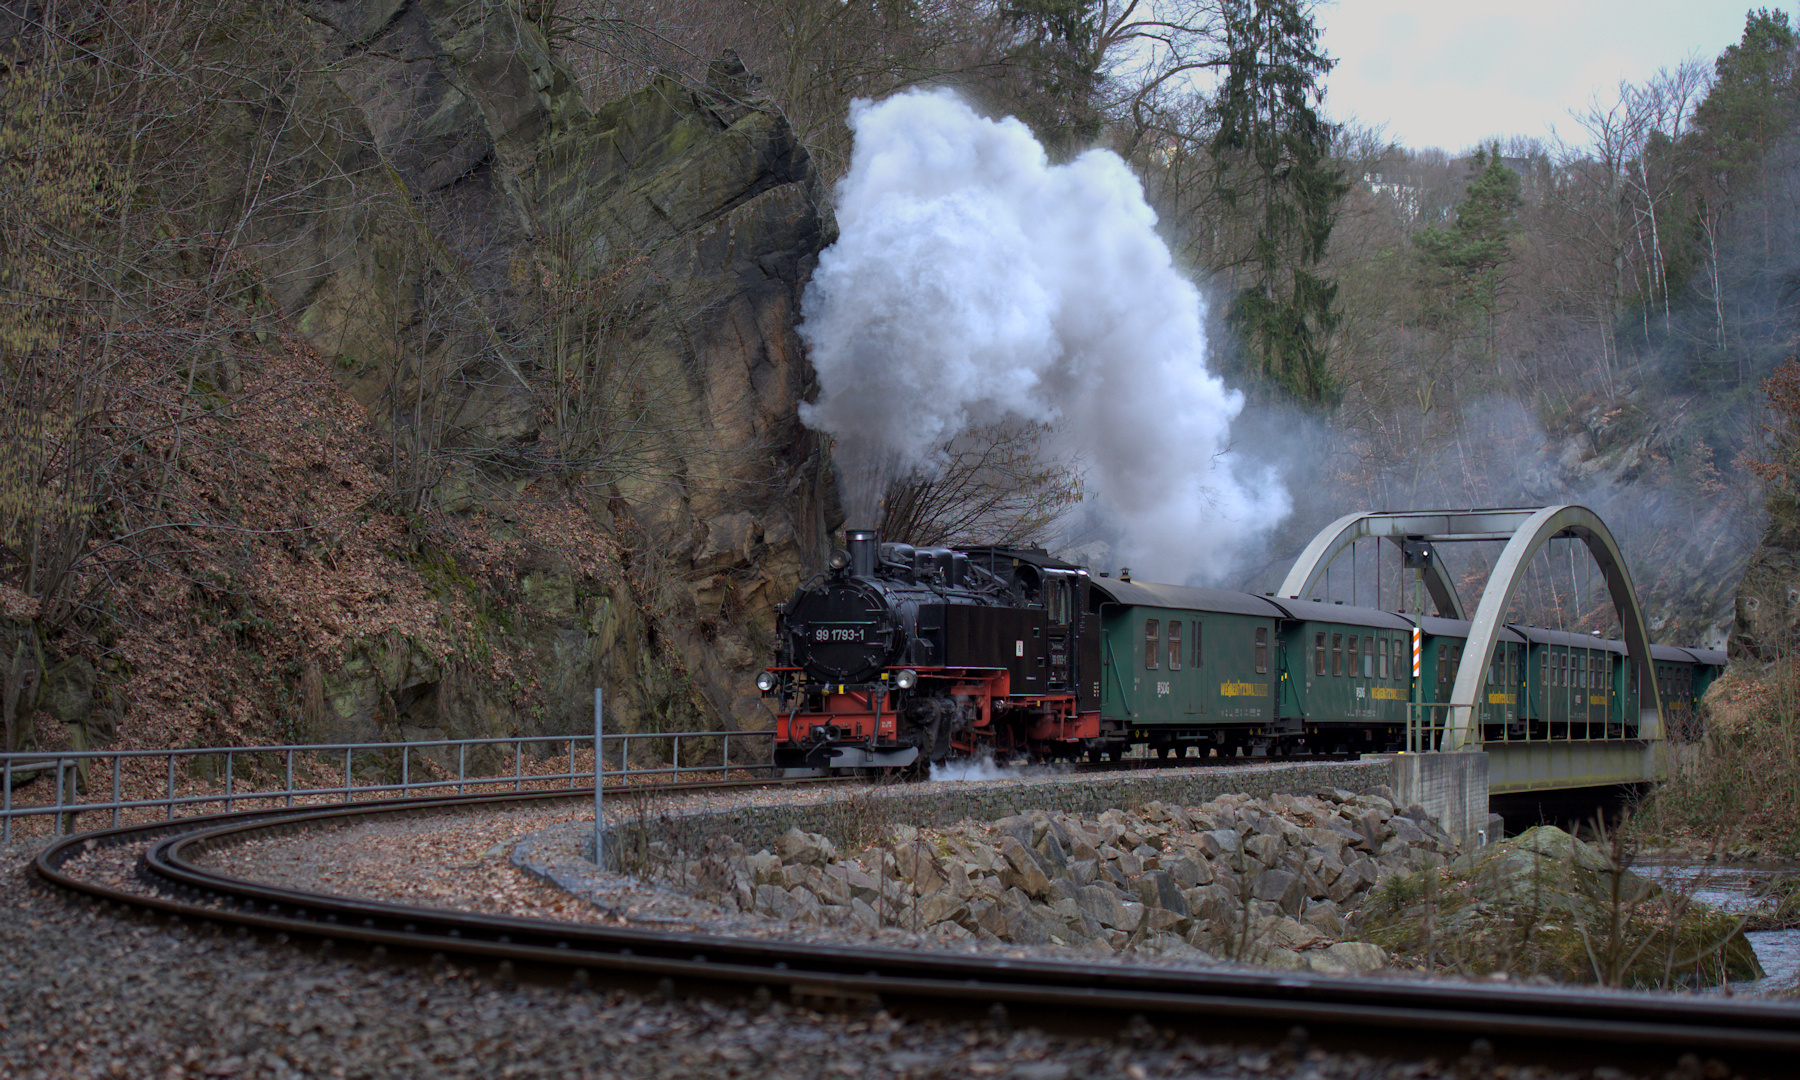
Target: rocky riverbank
[(1276, 881), (1549, 905), (1331, 882)]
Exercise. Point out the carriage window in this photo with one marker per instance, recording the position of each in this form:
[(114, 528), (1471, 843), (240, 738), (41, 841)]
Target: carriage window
[(1197, 660), (1580, 672), (1174, 644), (1368, 657), (1337, 654), (1350, 660), (1152, 643), (1443, 669), (1319, 654), (1262, 650), (1383, 666), (1401, 668)]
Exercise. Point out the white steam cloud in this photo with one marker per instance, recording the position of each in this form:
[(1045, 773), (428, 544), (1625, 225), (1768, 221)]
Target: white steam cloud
[(974, 282)]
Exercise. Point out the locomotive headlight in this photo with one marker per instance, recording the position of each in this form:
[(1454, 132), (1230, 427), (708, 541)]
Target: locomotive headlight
[(906, 679), (839, 559), (766, 681)]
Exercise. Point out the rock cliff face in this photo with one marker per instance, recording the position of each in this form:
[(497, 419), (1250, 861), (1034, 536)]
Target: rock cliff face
[(1648, 470), (1766, 626), (518, 286)]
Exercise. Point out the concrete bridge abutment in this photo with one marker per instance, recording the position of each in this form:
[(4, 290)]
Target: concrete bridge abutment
[(1452, 786)]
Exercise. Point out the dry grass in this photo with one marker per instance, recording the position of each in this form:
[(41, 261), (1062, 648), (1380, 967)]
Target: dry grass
[(1737, 792)]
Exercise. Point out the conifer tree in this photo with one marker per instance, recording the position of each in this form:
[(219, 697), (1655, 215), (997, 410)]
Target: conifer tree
[(1272, 159), (1463, 261), (1059, 51), (1755, 96)]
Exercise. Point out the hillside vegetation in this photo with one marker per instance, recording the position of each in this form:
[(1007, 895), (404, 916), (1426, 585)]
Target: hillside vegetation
[(363, 382)]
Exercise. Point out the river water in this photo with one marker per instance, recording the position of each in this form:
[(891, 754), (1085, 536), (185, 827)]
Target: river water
[(1733, 887)]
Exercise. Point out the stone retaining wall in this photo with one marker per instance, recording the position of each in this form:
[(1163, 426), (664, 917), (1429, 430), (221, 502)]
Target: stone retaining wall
[(859, 819)]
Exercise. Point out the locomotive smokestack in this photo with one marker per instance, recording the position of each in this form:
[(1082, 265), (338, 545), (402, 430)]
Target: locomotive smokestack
[(862, 544)]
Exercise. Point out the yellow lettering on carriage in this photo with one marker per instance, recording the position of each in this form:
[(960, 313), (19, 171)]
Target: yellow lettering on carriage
[(1243, 689)]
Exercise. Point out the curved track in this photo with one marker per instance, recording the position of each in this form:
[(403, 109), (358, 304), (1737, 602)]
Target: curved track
[(1410, 1018)]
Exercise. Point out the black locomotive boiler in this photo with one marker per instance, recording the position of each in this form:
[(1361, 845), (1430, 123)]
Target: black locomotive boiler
[(897, 655)]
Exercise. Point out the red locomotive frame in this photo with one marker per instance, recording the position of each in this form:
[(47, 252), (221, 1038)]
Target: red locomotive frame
[(1000, 722)]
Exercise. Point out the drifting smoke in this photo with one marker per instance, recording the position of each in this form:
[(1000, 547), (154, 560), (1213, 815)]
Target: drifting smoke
[(983, 769), (973, 283), (980, 769)]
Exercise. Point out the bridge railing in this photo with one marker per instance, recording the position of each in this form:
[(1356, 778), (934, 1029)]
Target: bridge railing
[(1427, 722), (43, 792)]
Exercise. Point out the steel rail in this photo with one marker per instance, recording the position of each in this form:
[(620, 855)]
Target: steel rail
[(1406, 1016)]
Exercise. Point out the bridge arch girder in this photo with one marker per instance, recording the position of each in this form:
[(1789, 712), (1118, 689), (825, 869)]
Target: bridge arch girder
[(1533, 533), (1309, 569)]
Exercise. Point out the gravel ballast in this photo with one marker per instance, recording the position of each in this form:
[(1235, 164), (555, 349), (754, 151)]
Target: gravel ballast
[(86, 992)]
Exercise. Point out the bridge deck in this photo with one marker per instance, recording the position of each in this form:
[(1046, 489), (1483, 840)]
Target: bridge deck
[(1537, 766)]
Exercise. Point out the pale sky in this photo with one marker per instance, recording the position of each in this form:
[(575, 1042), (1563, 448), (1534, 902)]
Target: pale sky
[(1451, 73)]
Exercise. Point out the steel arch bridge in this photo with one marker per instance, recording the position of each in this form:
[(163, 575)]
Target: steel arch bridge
[(1523, 765)]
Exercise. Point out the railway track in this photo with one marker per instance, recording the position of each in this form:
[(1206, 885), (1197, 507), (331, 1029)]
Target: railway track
[(1392, 1017)]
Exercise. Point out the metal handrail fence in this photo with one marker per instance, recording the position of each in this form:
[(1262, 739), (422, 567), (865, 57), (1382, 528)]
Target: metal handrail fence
[(74, 784), (1426, 724)]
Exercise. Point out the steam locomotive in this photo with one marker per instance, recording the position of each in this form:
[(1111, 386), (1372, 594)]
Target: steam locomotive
[(897, 657)]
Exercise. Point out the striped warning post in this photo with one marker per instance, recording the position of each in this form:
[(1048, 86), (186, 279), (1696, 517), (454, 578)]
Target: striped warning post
[(1418, 649)]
